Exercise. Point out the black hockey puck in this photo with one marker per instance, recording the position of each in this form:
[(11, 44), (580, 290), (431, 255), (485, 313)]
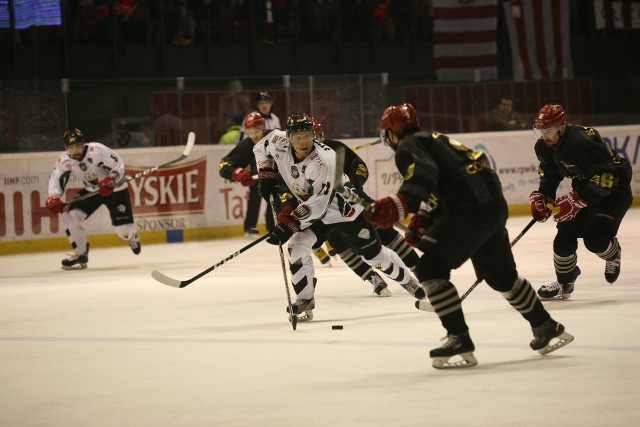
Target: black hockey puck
[(336, 327)]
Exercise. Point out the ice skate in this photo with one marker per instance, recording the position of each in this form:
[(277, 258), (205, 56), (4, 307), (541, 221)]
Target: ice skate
[(612, 268), (456, 345), (414, 288), (135, 244), (380, 288), (557, 290), (251, 233), (323, 257), (76, 262), (302, 308), (544, 333)]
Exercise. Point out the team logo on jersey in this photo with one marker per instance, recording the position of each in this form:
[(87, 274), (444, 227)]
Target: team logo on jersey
[(83, 167), (295, 172), (302, 212)]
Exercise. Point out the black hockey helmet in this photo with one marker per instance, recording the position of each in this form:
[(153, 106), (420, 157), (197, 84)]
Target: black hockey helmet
[(263, 96), (299, 123), (73, 136)]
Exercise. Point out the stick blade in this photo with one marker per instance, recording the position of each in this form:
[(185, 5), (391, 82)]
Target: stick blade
[(166, 280), (424, 306), (191, 140)]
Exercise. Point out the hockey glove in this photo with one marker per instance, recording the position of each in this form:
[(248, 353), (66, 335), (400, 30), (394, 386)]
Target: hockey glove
[(243, 176), (388, 211), (569, 204), (419, 225), (106, 186), (268, 182), (286, 211), (539, 209), (287, 227), (55, 205)]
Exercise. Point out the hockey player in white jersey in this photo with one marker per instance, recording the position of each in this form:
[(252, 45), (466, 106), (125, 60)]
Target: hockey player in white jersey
[(307, 168), (101, 170)]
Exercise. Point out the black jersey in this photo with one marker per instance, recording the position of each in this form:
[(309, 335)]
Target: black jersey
[(431, 162), (240, 157), (354, 166), (595, 169)]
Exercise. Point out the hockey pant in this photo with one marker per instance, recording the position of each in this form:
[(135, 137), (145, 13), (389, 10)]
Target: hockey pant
[(119, 206), (454, 239), (364, 241), (389, 238), (597, 226)]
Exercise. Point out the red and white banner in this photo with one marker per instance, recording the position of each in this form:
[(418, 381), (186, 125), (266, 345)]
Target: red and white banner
[(616, 14), (539, 38), (464, 36)]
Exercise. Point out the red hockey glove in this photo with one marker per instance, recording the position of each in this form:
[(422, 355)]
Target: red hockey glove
[(268, 182), (243, 176), (106, 186), (539, 209), (569, 204), (286, 211), (55, 205), (287, 227), (419, 225), (388, 211)]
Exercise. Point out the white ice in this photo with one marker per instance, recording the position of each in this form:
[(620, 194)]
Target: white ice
[(110, 346)]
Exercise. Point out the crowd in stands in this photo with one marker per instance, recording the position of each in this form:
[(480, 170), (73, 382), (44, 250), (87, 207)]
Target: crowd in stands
[(183, 22)]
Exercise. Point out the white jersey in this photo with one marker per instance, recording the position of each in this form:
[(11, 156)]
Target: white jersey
[(310, 181), (98, 162)]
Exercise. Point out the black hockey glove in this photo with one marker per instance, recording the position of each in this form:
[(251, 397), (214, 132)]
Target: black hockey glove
[(287, 227), (268, 183)]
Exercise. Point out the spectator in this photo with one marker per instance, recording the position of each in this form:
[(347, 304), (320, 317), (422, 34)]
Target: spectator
[(233, 130), (503, 116)]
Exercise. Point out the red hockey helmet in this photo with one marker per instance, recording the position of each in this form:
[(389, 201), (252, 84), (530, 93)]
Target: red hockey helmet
[(550, 116), (253, 120), (318, 128), (397, 118)]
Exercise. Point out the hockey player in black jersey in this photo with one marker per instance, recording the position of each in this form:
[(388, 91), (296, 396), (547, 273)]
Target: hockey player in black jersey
[(356, 169), (240, 165), (592, 210), (441, 174)]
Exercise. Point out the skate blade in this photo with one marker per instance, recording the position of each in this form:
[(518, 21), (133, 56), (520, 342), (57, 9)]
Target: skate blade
[(555, 298), (562, 340), (307, 316), (384, 292), (75, 267), (466, 360)]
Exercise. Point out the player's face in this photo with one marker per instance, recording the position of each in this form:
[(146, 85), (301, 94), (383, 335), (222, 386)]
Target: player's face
[(302, 143), (551, 135), (255, 133), (75, 151), (264, 107)]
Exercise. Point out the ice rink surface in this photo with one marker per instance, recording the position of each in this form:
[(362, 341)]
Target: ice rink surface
[(110, 346)]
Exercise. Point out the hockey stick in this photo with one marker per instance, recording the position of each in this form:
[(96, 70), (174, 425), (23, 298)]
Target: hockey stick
[(294, 318), (480, 279), (166, 280), (367, 145), (191, 140)]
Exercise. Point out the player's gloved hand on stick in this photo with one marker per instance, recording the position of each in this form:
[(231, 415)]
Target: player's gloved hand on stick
[(106, 186), (388, 211), (243, 176), (569, 204), (539, 209), (420, 223), (55, 204), (286, 227), (268, 182)]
